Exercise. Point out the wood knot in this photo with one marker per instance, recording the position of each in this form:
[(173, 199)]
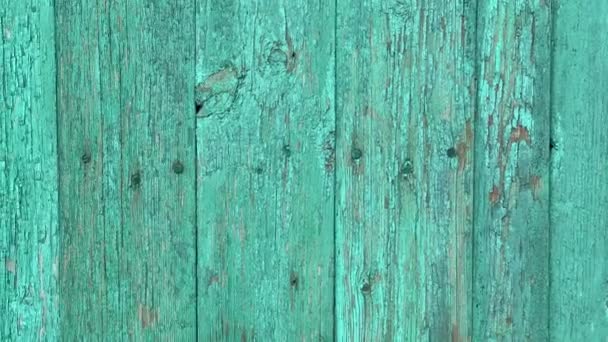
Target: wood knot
[(366, 288), (281, 55), (218, 92)]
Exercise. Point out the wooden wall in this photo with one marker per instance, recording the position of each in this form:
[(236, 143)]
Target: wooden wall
[(398, 170)]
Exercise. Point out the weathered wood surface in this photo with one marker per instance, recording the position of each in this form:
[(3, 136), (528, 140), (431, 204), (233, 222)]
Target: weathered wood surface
[(127, 169), (579, 181), (397, 170), (512, 128), (404, 170), (265, 148), (28, 173)]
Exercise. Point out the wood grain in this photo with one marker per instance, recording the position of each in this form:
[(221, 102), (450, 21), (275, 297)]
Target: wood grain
[(398, 170), (579, 182), (265, 148), (28, 173), (126, 148), (511, 290), (404, 170)]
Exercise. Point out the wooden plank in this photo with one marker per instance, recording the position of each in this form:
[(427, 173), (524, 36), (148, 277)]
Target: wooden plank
[(89, 175), (28, 172), (404, 170), (512, 171), (127, 163), (265, 140), (579, 182)]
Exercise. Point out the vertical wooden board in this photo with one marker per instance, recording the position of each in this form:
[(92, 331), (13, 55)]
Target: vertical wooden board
[(158, 152), (125, 75), (265, 147), (512, 171), (579, 181), (28, 172), (92, 293), (404, 187)]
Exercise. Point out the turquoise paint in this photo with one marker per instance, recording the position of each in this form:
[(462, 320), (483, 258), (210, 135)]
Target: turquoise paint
[(245, 170)]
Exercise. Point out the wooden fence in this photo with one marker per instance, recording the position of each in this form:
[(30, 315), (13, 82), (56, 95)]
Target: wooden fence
[(250, 170)]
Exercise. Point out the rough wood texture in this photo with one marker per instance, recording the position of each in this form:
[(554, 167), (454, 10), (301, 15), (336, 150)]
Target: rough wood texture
[(579, 181), (407, 170), (404, 170), (28, 172), (265, 140), (512, 171), (126, 148)]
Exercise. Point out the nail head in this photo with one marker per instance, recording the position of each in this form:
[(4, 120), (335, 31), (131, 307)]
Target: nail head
[(178, 167)]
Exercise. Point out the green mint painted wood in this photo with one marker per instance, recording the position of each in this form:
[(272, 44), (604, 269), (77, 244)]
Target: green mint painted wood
[(89, 164), (512, 171), (235, 170), (265, 147), (404, 170), (579, 182), (127, 170), (28, 172)]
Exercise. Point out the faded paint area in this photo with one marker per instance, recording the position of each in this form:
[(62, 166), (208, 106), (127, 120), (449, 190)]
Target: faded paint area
[(404, 170), (28, 172), (579, 181), (511, 233), (266, 170), (125, 95), (380, 170)]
